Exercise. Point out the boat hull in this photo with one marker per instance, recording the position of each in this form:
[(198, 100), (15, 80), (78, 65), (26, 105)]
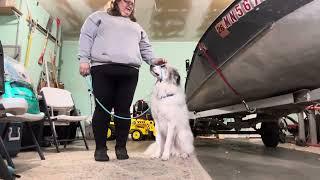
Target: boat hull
[(272, 50)]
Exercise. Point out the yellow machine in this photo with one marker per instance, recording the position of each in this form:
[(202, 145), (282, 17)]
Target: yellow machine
[(111, 131), (140, 129)]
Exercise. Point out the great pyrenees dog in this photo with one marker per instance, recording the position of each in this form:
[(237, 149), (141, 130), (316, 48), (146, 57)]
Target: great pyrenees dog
[(170, 113)]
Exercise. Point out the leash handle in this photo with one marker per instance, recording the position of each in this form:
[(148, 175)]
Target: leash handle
[(204, 50)]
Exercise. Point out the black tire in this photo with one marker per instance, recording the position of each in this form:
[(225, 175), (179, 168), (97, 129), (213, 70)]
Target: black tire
[(270, 134), (135, 137), (318, 126), (195, 134), (150, 136), (193, 128), (282, 137), (153, 137)]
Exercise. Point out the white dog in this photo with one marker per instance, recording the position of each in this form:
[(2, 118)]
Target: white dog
[(169, 110)]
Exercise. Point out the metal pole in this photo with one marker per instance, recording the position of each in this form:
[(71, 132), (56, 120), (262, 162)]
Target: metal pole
[(313, 127), (302, 134)]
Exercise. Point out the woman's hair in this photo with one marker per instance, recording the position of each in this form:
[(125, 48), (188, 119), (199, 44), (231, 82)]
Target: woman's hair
[(114, 10)]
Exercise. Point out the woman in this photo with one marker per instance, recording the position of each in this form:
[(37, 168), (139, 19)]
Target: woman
[(112, 43)]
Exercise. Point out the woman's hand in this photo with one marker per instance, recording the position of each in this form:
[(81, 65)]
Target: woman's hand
[(159, 61), (84, 69)]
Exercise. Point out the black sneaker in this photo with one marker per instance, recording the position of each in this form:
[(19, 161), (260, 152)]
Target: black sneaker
[(121, 153), (101, 155)]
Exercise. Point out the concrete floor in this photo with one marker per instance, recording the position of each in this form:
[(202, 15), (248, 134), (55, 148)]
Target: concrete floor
[(228, 159), (236, 159), (75, 162)]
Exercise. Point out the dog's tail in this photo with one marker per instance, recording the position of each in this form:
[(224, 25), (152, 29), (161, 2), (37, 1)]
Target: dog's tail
[(151, 149)]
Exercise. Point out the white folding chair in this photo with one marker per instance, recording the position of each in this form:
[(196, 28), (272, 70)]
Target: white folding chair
[(59, 105), (15, 110)]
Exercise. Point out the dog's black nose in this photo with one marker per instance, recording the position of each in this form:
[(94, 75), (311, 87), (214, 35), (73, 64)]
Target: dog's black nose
[(151, 67)]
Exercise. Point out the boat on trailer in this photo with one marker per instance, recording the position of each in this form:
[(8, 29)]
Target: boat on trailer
[(268, 53)]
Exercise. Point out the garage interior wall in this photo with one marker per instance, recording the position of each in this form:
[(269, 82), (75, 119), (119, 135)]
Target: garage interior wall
[(175, 52), (14, 32)]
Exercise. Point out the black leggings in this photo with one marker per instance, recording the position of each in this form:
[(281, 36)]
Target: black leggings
[(114, 86)]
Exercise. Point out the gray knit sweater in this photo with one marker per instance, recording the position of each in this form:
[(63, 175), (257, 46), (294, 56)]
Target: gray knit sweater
[(106, 39)]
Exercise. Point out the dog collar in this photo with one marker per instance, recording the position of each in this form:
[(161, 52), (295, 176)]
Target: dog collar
[(161, 74), (168, 95)]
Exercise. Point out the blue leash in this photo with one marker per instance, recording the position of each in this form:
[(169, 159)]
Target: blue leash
[(89, 83)]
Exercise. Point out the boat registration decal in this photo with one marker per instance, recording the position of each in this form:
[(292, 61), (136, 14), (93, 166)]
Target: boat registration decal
[(233, 16)]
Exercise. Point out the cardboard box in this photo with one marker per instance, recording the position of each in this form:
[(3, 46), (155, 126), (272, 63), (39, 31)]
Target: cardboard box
[(4, 3)]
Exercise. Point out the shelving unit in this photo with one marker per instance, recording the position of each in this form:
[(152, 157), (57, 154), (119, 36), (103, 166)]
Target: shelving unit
[(44, 31), (10, 10)]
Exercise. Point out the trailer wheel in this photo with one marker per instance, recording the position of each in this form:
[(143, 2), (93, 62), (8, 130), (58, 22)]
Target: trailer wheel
[(282, 137), (270, 134), (194, 134), (318, 126)]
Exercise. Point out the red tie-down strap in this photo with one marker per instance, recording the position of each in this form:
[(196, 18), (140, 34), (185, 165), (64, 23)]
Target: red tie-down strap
[(204, 50), (315, 107)]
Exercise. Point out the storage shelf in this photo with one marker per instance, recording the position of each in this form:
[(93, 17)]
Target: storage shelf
[(10, 10), (44, 32)]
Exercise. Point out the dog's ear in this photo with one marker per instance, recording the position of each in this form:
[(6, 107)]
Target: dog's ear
[(175, 77)]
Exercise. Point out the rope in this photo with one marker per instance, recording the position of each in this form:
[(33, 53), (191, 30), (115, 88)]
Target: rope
[(204, 50)]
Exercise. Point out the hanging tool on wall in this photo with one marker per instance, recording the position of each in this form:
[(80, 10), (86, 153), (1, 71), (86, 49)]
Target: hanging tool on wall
[(44, 76), (54, 71), (56, 46), (48, 28), (55, 52), (32, 27), (46, 79)]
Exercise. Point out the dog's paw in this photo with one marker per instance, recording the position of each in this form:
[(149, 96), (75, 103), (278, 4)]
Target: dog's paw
[(155, 156), (176, 154), (165, 157), (184, 155)]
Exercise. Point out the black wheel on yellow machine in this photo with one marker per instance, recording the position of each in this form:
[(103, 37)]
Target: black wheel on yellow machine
[(136, 135), (110, 134)]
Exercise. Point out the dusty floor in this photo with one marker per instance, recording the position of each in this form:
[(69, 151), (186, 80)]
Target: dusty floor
[(243, 159), (228, 159), (75, 162)]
